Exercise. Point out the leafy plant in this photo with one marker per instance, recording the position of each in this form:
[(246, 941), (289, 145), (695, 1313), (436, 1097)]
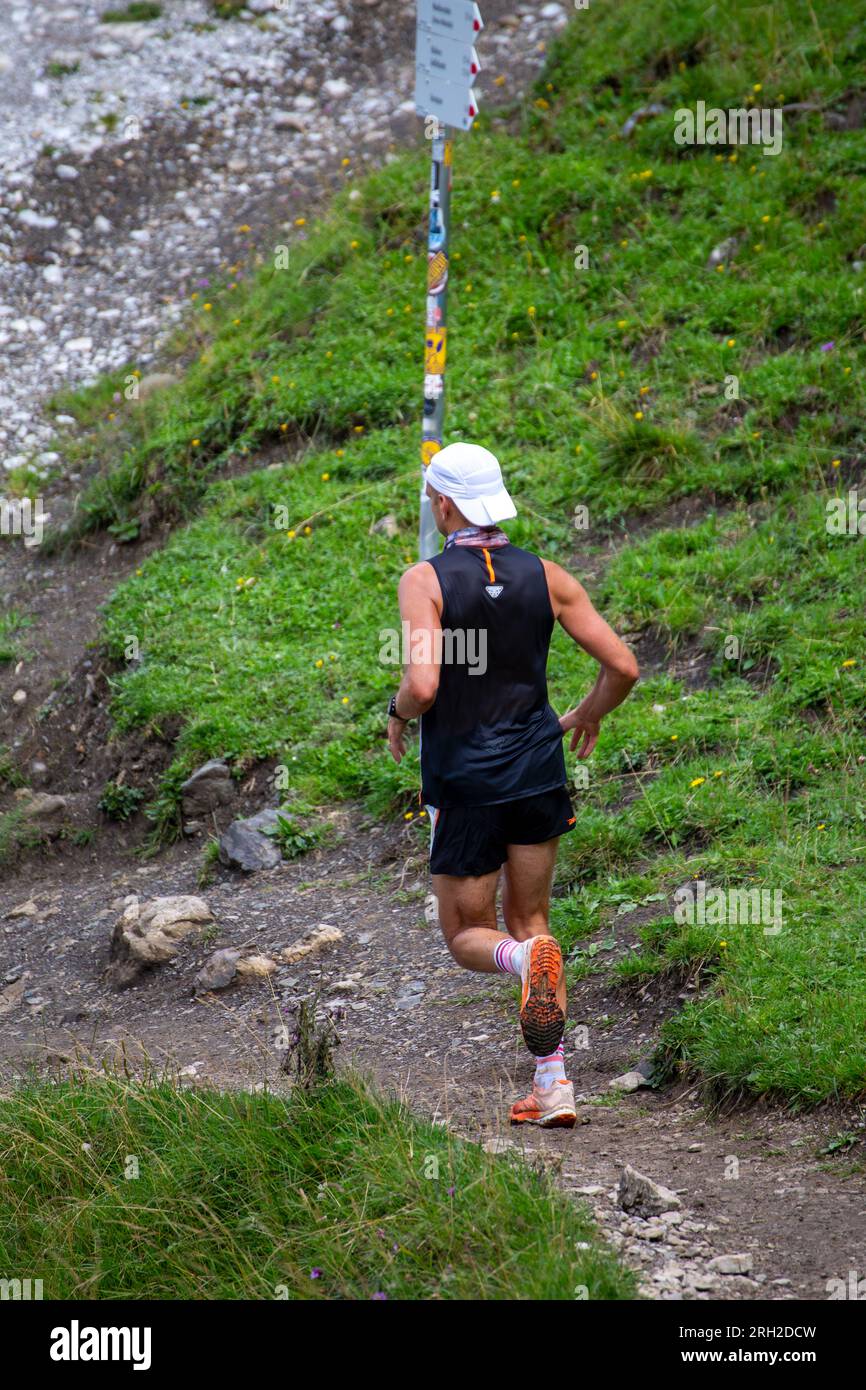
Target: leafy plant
[(119, 801)]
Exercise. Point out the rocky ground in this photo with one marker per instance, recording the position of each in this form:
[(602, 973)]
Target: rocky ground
[(116, 198), (132, 155)]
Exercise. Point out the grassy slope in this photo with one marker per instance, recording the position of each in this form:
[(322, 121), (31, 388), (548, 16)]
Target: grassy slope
[(551, 365), (247, 1197)]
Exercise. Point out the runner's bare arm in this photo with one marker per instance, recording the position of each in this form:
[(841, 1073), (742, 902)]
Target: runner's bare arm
[(619, 669), (420, 606)]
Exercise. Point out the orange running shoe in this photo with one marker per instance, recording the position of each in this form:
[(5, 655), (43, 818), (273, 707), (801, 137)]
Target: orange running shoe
[(552, 1108), (542, 1021)]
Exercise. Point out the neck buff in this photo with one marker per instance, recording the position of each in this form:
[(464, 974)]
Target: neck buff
[(477, 535)]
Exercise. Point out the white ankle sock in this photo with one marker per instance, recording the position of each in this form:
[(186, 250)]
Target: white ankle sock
[(508, 955), (549, 1070)]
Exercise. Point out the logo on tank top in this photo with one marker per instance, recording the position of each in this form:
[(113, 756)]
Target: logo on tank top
[(494, 590)]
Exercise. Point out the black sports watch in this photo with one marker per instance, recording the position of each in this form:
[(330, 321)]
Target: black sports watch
[(392, 710)]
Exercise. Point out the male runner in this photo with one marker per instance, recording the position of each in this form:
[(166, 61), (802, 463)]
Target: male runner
[(492, 764)]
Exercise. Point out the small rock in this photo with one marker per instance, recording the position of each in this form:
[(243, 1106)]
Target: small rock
[(629, 1081), (640, 1194), (642, 114), (154, 381), (207, 788), (244, 845), (218, 971), (731, 1264), (289, 120), (66, 172), (39, 806), (257, 967), (721, 254), (30, 218), (316, 939), (385, 526), (25, 909)]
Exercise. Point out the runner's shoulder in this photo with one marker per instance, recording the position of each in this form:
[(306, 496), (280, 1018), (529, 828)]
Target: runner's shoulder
[(419, 578), (561, 583)]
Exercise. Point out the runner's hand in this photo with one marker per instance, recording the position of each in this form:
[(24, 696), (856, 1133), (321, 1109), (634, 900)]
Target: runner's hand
[(580, 727), (397, 739)]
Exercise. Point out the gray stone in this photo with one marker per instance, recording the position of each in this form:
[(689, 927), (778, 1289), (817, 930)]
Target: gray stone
[(639, 1194), (207, 788), (218, 971), (721, 254), (244, 846), (153, 382), (289, 120)]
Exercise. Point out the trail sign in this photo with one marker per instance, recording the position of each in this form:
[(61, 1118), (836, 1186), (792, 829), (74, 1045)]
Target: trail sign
[(450, 104), (446, 65), (451, 19), (446, 60)]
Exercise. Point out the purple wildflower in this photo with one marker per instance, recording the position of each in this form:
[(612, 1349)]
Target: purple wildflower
[(827, 347), (379, 1297), (315, 1274)]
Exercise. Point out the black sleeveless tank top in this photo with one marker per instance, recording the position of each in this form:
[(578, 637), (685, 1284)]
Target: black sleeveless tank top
[(491, 735)]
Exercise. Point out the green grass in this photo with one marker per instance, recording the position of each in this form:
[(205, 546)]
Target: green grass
[(136, 11), (125, 1191), (11, 623), (611, 388)]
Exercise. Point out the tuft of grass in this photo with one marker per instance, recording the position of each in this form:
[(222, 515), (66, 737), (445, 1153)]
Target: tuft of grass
[(136, 12), (11, 623), (120, 1190)]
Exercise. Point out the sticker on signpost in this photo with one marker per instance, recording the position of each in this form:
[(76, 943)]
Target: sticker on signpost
[(429, 447), (437, 273), (435, 350), (434, 311)]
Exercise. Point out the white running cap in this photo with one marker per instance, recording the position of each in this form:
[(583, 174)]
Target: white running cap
[(472, 478)]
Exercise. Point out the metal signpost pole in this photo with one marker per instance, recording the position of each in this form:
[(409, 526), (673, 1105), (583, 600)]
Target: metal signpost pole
[(446, 64)]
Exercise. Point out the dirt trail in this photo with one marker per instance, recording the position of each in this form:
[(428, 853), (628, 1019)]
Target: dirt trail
[(443, 1038)]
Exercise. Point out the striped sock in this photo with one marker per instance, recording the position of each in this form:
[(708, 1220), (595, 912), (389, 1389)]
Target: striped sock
[(508, 955), (549, 1070)]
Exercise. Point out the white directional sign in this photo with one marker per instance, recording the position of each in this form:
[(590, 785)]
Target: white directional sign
[(445, 59), (450, 104), (446, 63), (451, 19)]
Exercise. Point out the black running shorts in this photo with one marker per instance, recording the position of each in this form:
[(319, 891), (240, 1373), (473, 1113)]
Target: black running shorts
[(468, 841)]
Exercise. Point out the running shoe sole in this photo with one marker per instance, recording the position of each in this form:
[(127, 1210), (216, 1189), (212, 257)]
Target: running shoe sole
[(542, 1021), (565, 1118)]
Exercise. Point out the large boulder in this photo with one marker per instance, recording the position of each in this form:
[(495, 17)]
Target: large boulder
[(149, 934)]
